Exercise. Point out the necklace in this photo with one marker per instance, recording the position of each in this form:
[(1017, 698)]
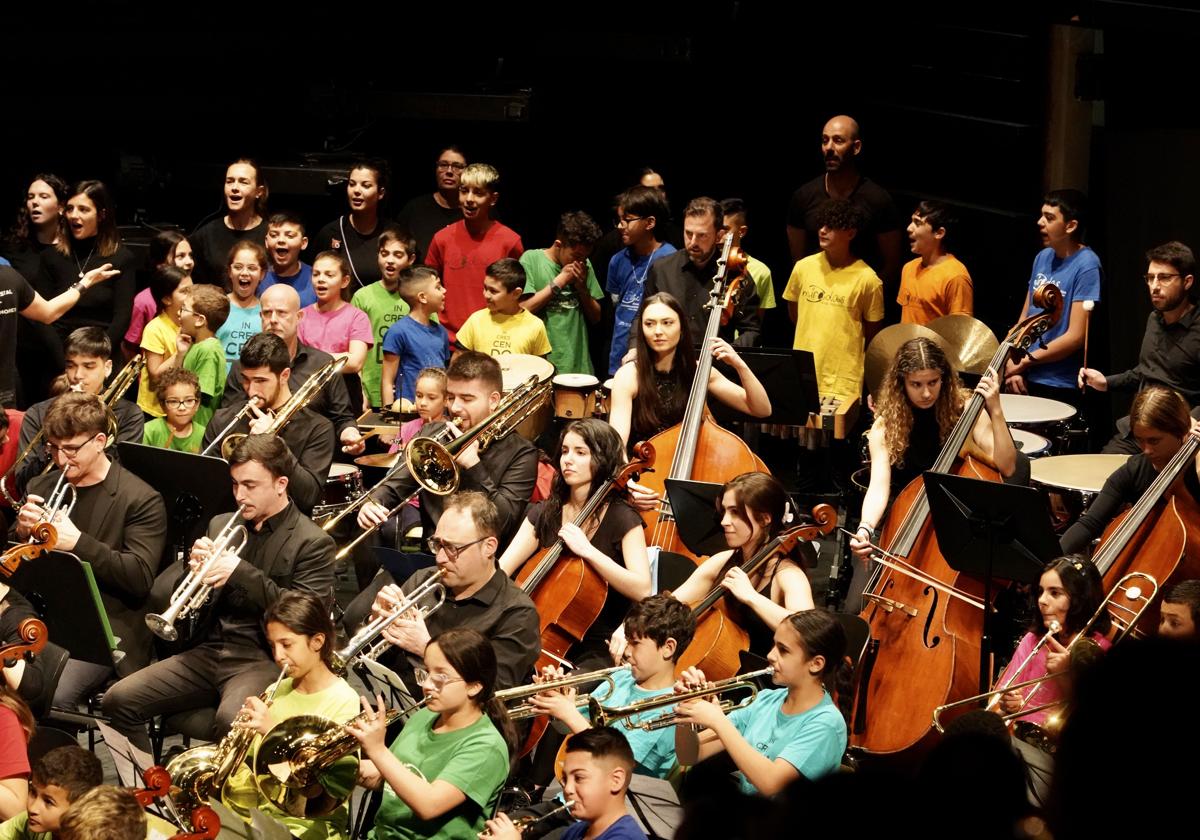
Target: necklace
[(85, 262)]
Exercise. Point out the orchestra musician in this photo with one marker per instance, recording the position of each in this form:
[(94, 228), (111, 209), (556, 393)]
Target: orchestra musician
[(284, 551), (118, 526), (281, 316), (611, 542), (650, 392), (753, 510), (265, 373)]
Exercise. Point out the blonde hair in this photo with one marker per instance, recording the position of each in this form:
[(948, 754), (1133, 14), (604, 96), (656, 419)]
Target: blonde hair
[(104, 813), (481, 175), (895, 410)]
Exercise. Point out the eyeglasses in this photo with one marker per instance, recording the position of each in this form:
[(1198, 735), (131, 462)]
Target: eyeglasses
[(627, 220), (445, 164), (1159, 278), (452, 551), (186, 402), (71, 450), (438, 681)]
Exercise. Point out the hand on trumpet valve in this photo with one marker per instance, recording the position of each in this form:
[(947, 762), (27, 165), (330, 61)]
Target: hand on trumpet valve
[(217, 575), (408, 633), (371, 514), (370, 728), (700, 713), (386, 600), (642, 498), (690, 680), (30, 514), (500, 827), (68, 533)]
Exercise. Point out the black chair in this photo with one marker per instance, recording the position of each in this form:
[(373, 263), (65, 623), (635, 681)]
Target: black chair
[(46, 738), (673, 570), (53, 659), (192, 724)]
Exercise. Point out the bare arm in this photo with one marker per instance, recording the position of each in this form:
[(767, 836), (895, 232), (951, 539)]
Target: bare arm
[(624, 391), (701, 581), (876, 498), (522, 547), (355, 357), (750, 397), (391, 364), (48, 311)]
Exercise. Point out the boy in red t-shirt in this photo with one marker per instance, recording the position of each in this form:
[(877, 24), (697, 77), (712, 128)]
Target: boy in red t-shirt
[(461, 252)]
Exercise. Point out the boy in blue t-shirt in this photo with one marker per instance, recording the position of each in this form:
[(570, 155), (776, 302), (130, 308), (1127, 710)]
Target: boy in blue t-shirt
[(639, 212), (285, 240), (415, 342), (1073, 267)]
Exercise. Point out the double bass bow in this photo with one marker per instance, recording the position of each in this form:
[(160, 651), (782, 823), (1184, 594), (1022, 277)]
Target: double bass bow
[(698, 448), (718, 639), (568, 593), (926, 619)]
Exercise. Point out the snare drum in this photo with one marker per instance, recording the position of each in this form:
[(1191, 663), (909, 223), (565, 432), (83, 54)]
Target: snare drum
[(1047, 418), (1035, 446), (1072, 482), (343, 486), (575, 395), (516, 368)]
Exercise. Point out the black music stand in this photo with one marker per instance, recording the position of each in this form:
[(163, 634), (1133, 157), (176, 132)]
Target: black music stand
[(790, 377), (195, 488), (694, 505), (61, 586), (988, 529)]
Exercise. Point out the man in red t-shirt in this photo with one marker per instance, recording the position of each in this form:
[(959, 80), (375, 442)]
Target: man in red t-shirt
[(461, 252)]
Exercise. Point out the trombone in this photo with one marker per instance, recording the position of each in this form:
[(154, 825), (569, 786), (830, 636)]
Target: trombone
[(237, 418), (607, 715), (342, 657), (1125, 603), (432, 464), (193, 592), (119, 385), (528, 710), (299, 399)]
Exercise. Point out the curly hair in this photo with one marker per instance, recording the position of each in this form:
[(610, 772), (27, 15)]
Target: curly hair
[(895, 410)]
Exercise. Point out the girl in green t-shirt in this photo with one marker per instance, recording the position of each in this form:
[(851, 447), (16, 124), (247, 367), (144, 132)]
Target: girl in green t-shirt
[(444, 772)]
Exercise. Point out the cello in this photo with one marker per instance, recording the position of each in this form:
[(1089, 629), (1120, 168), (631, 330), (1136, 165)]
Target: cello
[(926, 619), (718, 641), (699, 449), (568, 593)]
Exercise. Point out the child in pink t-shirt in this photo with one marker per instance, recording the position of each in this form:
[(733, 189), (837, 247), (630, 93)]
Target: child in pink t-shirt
[(431, 407), (333, 325)]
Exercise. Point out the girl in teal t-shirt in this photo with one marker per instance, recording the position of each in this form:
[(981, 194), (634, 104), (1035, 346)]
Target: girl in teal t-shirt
[(442, 776), (786, 732)]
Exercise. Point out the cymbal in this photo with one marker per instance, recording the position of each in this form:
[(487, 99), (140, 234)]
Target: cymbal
[(384, 460), (973, 342), (883, 347)]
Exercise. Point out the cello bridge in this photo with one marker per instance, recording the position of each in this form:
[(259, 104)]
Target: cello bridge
[(888, 604)]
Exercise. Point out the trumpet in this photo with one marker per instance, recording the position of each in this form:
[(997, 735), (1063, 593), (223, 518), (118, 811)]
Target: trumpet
[(298, 400), (1125, 604), (522, 823), (342, 657), (432, 464), (60, 501), (119, 385), (528, 710), (192, 592), (607, 715)]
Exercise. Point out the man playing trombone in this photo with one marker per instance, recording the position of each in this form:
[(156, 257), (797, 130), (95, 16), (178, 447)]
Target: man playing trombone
[(106, 516), (265, 376), (282, 550)]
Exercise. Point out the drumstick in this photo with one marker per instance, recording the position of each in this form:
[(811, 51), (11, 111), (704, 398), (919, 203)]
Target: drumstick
[(1088, 306)]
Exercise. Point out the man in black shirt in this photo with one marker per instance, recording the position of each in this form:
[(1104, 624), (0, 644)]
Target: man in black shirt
[(428, 213), (283, 550), (879, 243), (478, 595), (281, 316), (88, 351), (688, 274), (118, 526), (264, 373), (1170, 353)]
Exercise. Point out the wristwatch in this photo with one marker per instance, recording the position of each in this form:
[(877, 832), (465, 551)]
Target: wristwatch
[(80, 286)]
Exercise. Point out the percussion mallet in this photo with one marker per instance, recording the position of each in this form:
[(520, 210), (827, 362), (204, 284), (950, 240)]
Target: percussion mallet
[(1088, 306)]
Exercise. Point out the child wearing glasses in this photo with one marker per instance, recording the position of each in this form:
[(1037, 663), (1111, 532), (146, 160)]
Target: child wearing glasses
[(179, 393)]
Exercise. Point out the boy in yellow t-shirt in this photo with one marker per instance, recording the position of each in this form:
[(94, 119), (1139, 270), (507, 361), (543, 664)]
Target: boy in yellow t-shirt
[(836, 301), (504, 326), (935, 283)]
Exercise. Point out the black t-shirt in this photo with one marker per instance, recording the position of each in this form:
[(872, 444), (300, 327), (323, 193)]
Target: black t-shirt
[(619, 519), (422, 217), (361, 250), (924, 446), (872, 199), (15, 295), (108, 304), (26, 257), (211, 243)]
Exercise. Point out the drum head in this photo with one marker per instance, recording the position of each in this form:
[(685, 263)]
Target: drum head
[(1076, 472), (1022, 408), (575, 380), (516, 368), (1035, 446), (338, 470)]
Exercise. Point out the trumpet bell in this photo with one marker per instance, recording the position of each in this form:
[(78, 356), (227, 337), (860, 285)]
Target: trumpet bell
[(162, 627), (288, 774), (432, 466)]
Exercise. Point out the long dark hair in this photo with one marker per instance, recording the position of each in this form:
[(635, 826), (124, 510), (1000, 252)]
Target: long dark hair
[(472, 655), (22, 230), (305, 614), (608, 454), (648, 410), (108, 237), (1085, 588), (761, 494), (821, 634)]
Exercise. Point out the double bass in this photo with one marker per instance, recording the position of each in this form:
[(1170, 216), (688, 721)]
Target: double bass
[(568, 593), (926, 619), (698, 448), (718, 642)]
